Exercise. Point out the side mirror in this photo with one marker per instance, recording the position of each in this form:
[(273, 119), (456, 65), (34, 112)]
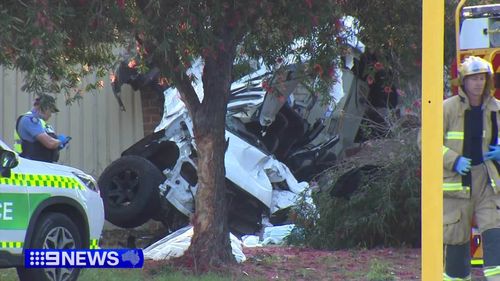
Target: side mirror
[(8, 160)]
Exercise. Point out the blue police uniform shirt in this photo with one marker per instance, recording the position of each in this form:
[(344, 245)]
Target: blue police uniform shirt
[(30, 126)]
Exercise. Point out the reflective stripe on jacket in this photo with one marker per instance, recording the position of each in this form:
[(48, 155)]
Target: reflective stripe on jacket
[(457, 141)]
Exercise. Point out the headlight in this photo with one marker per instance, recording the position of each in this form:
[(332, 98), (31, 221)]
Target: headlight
[(88, 180)]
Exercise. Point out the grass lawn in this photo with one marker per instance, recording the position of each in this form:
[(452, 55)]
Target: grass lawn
[(130, 275)]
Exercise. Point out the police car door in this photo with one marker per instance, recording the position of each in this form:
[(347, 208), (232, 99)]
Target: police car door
[(14, 208)]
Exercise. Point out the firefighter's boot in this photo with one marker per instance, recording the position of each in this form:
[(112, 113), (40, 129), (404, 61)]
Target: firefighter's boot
[(457, 262)]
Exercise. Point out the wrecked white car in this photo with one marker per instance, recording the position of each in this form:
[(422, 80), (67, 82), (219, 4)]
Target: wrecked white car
[(275, 145)]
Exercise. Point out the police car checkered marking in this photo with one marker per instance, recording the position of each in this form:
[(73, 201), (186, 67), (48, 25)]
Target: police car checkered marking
[(11, 244), (32, 180)]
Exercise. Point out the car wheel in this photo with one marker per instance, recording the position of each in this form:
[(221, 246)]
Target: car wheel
[(129, 189), (53, 231)]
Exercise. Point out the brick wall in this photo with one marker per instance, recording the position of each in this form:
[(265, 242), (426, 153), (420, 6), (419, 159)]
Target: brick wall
[(152, 110)]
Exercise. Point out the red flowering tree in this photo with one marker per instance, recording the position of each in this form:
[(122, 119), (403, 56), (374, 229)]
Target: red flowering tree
[(57, 43)]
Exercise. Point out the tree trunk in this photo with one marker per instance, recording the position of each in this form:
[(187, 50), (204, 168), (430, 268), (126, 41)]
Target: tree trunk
[(210, 245)]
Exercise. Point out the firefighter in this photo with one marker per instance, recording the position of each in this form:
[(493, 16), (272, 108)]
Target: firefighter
[(471, 171), (34, 138)]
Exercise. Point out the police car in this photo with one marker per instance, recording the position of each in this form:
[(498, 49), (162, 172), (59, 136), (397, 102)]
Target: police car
[(45, 206)]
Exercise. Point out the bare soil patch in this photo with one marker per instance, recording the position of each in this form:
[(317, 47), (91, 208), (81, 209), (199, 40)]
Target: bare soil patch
[(294, 263)]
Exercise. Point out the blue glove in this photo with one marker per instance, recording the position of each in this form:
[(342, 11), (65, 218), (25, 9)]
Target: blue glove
[(463, 165), (493, 154), (64, 140)]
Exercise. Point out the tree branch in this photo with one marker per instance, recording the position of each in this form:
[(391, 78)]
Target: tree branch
[(22, 3), (183, 83)]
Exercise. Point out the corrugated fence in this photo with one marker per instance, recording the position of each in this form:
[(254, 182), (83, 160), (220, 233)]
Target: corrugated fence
[(99, 130)]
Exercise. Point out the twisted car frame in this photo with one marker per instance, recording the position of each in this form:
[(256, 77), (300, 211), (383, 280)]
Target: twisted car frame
[(276, 143)]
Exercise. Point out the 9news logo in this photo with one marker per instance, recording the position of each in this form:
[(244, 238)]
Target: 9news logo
[(101, 258)]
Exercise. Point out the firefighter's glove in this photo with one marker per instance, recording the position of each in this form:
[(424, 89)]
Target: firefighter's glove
[(64, 141), (493, 154), (463, 165)]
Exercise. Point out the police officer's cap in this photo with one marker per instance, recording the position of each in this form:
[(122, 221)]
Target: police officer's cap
[(46, 102)]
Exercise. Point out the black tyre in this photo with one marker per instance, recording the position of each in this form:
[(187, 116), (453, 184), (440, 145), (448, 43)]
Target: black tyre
[(129, 189), (53, 231)]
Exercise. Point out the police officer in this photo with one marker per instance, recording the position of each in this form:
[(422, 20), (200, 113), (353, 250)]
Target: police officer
[(471, 171), (34, 138)]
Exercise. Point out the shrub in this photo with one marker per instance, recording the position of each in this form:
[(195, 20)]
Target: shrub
[(368, 200)]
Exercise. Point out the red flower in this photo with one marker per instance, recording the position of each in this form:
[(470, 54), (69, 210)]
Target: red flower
[(318, 69), (265, 86), (378, 66), (369, 80), (183, 26), (121, 4), (387, 89), (338, 25), (331, 72), (132, 64)]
